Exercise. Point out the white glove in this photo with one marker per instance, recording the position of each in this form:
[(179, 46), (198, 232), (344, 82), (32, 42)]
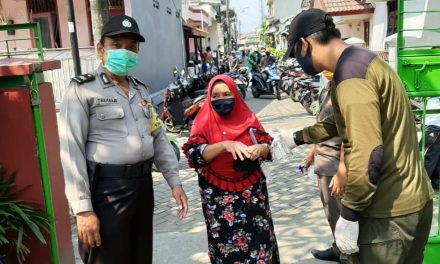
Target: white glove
[(283, 135), (346, 236)]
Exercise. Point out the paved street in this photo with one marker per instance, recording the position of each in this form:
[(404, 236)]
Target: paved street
[(300, 223)]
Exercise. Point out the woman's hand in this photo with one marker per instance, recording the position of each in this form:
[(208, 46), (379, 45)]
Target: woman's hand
[(308, 161), (339, 180), (237, 149), (310, 158), (257, 151)]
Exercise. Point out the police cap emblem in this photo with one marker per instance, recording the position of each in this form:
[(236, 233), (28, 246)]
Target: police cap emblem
[(126, 23)]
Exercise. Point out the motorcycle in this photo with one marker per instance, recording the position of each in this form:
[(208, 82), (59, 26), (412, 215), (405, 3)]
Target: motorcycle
[(300, 85), (240, 82), (266, 82), (245, 75), (310, 99), (179, 108)]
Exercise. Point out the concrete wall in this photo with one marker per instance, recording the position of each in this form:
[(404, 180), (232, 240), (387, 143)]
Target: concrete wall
[(378, 26), (213, 36), (164, 47), (286, 8), (17, 11), (82, 25)]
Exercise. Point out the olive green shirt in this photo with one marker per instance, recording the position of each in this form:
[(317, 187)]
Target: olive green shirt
[(373, 117)]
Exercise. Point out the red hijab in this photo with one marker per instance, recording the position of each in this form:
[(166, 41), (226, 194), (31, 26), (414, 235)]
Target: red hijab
[(235, 127)]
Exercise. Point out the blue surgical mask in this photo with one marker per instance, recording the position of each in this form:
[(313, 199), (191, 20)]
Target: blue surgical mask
[(306, 62), (120, 61), (223, 106)]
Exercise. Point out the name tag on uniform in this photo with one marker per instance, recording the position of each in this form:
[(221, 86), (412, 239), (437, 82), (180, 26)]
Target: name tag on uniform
[(106, 101)]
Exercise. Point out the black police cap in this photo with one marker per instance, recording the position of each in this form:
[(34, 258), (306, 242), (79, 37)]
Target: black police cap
[(121, 24)]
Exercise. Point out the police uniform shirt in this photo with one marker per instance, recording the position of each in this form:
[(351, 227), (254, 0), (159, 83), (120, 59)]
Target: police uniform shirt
[(100, 123)]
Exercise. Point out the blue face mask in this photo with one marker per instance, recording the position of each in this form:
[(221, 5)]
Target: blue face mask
[(306, 62), (120, 61), (223, 106)]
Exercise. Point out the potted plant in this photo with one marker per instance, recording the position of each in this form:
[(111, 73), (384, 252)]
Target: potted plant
[(18, 220)]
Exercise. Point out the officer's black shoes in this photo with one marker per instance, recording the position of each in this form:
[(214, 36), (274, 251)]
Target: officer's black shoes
[(327, 254)]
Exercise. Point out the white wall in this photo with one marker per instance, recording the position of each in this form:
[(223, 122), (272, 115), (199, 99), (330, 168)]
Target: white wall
[(213, 36), (422, 20), (163, 48), (378, 26), (286, 8)]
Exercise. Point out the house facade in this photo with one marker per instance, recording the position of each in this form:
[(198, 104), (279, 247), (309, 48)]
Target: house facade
[(159, 21), (352, 18), (52, 16), (416, 17), (281, 13)]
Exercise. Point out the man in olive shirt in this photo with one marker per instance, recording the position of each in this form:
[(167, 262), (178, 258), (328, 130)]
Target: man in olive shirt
[(110, 135), (387, 208)]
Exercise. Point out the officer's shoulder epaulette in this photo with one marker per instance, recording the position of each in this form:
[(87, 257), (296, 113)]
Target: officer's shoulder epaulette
[(80, 79), (137, 82)]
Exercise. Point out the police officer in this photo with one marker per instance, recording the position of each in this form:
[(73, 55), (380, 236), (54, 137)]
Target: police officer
[(110, 136)]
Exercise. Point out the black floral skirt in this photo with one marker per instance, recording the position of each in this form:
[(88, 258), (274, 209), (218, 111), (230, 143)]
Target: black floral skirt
[(239, 224)]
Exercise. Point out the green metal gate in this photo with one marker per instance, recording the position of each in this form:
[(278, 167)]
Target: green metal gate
[(418, 54), (33, 81)]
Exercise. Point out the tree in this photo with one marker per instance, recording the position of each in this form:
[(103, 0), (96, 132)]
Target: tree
[(267, 39), (100, 15)]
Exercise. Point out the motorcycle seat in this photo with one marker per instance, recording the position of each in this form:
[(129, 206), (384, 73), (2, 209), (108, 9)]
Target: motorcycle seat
[(200, 98), (200, 92)]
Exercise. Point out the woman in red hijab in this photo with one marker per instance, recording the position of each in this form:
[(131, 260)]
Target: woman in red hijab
[(233, 188)]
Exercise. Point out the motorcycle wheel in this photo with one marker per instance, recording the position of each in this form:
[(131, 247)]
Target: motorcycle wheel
[(169, 124), (278, 89), (242, 93), (176, 150), (294, 95), (309, 109), (255, 94), (277, 93), (246, 79), (307, 104)]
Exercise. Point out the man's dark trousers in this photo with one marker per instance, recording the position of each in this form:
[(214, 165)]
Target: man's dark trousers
[(124, 206), (432, 156)]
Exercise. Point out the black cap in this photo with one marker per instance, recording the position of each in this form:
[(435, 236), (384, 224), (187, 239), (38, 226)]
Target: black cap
[(121, 24), (306, 23)]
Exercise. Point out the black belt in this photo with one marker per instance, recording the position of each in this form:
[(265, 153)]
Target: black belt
[(112, 171)]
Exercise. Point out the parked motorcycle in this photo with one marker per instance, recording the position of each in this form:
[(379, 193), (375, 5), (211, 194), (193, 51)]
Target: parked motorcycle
[(240, 82), (179, 108), (310, 100), (245, 74), (266, 82), (306, 91), (301, 84)]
